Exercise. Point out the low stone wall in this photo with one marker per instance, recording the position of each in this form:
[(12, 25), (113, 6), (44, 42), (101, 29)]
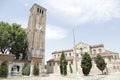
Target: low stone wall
[(6, 57)]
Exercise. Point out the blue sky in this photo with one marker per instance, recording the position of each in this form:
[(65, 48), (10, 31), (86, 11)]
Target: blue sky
[(94, 21)]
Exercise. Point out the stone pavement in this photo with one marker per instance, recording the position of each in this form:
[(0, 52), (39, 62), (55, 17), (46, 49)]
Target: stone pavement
[(113, 76), (52, 78)]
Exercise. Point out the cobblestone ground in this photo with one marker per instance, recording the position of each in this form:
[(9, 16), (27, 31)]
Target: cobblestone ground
[(113, 76), (53, 78), (41, 78)]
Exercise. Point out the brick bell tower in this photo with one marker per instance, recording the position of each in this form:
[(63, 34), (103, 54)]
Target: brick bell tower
[(36, 36)]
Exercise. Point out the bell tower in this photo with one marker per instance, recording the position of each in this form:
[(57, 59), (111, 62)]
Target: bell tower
[(36, 34)]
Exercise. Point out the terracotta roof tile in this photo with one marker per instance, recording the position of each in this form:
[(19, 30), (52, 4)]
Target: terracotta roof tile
[(104, 54)]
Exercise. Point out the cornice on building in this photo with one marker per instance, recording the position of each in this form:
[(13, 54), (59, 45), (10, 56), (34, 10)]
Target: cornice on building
[(111, 52), (96, 46), (56, 52), (81, 43)]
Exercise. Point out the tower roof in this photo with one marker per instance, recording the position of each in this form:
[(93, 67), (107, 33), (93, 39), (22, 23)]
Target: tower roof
[(37, 6)]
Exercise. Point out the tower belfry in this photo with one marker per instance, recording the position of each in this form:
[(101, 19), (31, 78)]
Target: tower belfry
[(36, 34)]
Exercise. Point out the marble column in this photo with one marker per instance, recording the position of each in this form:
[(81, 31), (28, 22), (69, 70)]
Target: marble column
[(9, 69), (20, 70), (39, 69), (31, 69)]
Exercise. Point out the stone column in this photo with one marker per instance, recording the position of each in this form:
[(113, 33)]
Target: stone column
[(31, 69), (20, 70), (9, 69), (39, 69)]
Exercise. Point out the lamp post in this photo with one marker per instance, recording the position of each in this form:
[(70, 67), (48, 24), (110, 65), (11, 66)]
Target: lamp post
[(75, 57)]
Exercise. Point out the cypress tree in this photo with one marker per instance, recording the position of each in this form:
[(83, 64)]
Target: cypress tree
[(71, 71), (86, 64), (100, 63), (63, 64)]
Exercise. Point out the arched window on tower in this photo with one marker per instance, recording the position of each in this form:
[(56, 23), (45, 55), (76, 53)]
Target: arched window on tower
[(69, 54)]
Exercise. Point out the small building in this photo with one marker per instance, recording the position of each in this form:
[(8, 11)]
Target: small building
[(111, 58)]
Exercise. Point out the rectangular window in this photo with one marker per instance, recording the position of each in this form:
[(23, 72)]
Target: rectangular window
[(42, 12), (109, 58), (55, 56), (37, 9), (94, 51), (49, 64), (58, 63), (71, 62), (100, 50), (69, 54), (66, 54), (77, 55), (53, 63)]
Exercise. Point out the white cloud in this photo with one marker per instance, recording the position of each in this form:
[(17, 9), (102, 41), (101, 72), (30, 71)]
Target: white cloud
[(26, 4), (55, 32), (83, 11)]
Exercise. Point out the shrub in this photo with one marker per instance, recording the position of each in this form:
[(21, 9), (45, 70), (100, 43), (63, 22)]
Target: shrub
[(26, 70), (4, 70), (36, 70), (71, 71)]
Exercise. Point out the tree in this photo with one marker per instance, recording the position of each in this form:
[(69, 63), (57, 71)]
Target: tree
[(100, 63), (18, 41), (13, 39), (4, 36), (86, 64), (3, 69), (63, 64)]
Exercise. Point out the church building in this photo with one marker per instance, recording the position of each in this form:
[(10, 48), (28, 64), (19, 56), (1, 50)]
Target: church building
[(111, 58)]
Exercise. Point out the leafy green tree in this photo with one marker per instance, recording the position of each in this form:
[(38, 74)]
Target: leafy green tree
[(86, 64), (3, 69), (18, 40), (63, 64), (4, 36), (100, 63), (13, 38)]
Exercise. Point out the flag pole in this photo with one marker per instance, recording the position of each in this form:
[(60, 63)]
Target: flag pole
[(75, 57)]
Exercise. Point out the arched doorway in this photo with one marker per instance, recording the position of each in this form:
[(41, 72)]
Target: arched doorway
[(15, 70)]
